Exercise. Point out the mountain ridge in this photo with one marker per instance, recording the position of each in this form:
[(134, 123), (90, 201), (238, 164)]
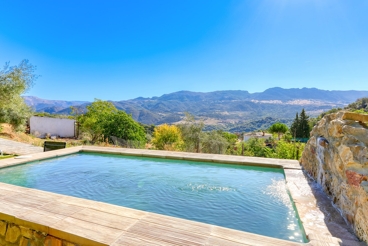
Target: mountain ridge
[(217, 108)]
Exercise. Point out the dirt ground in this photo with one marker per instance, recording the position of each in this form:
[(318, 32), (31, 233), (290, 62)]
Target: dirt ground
[(8, 133)]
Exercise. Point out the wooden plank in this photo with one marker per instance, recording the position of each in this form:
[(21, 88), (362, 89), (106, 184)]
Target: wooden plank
[(27, 200), (61, 208), (10, 187), (104, 207), (177, 223), (42, 217), (167, 234), (249, 238), (129, 239), (84, 229), (12, 209), (105, 219), (38, 220), (215, 241), (6, 193)]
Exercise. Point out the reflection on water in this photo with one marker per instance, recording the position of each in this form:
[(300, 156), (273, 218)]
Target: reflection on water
[(276, 190), (202, 187)]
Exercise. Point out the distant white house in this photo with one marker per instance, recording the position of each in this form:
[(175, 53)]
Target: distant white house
[(249, 135), (42, 126)]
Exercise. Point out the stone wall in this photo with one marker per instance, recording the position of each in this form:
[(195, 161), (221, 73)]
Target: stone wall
[(15, 235), (336, 156)]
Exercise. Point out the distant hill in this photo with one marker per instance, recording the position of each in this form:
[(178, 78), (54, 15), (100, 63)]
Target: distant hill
[(232, 110), (50, 106)]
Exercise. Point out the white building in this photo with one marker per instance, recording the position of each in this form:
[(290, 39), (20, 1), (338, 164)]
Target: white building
[(42, 126), (263, 135)]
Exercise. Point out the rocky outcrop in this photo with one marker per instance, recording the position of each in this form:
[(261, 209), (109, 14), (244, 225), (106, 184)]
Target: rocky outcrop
[(336, 156)]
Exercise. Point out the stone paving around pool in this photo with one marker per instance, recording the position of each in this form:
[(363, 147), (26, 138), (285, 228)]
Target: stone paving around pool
[(44, 218)]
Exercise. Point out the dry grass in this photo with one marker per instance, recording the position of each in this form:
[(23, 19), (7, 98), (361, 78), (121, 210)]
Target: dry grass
[(8, 133)]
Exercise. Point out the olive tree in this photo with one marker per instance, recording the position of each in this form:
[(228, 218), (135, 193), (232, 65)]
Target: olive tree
[(192, 133), (14, 81)]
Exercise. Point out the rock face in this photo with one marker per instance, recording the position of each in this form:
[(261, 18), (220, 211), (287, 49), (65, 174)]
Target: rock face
[(336, 156), (13, 235)]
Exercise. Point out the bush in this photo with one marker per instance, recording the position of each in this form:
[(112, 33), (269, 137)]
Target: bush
[(167, 137)]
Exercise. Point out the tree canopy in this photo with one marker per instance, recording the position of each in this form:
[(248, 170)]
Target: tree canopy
[(103, 120), (14, 81), (214, 142), (192, 133), (278, 128)]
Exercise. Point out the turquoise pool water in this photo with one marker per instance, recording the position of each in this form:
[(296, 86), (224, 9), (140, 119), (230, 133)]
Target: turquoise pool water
[(247, 198)]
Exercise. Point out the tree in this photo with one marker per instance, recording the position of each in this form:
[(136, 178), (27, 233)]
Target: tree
[(167, 137), (300, 128), (294, 129), (255, 147), (231, 139), (14, 81), (103, 120), (214, 142), (304, 127), (278, 128), (95, 119), (359, 106), (192, 133), (285, 150), (122, 125)]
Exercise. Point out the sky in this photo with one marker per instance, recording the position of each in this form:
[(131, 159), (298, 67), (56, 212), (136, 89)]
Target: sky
[(119, 50)]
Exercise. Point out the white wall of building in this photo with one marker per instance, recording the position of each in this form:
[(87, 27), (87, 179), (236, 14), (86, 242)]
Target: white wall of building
[(248, 136), (41, 126)]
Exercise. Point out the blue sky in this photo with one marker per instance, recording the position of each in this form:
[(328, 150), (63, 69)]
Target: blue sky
[(117, 50)]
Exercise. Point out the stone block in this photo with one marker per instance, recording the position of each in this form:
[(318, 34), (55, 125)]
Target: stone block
[(39, 237), (12, 234), (355, 117), (26, 232), (3, 226), (335, 129), (24, 241), (52, 241), (65, 243), (354, 178)]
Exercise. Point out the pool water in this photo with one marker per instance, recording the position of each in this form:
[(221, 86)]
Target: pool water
[(246, 198)]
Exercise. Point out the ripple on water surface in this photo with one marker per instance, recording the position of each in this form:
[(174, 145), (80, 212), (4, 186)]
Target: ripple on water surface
[(251, 199)]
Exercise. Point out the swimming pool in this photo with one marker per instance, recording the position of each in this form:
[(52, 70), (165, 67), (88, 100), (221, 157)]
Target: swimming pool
[(252, 199)]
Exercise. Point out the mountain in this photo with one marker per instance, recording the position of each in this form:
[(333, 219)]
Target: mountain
[(50, 106), (231, 110)]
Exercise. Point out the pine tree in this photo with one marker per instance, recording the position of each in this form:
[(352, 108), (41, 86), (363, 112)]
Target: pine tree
[(300, 127), (304, 128), (294, 129)]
